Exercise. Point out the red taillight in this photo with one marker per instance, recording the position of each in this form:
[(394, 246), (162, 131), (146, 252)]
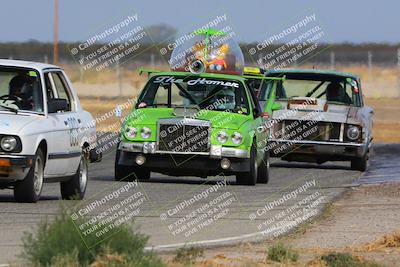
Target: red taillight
[(265, 115)]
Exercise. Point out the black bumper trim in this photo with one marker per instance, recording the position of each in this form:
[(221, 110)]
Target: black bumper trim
[(184, 164), (64, 155)]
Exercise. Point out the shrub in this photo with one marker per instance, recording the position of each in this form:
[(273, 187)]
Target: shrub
[(59, 240), (345, 260), (281, 253), (188, 255)]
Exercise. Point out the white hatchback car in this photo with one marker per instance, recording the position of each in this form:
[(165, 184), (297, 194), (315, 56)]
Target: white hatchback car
[(45, 135)]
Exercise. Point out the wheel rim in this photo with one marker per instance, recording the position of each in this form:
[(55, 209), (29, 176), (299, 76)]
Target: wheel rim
[(83, 171), (38, 176)]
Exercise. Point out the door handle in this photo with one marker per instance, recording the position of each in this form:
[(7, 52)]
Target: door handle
[(66, 122)]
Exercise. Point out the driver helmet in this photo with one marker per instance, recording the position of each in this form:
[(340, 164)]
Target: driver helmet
[(334, 92), (18, 86)]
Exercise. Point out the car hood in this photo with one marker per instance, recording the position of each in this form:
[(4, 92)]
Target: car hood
[(218, 119), (300, 107), (13, 123)]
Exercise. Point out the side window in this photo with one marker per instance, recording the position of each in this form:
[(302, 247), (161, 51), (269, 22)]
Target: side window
[(265, 90), (254, 102), (61, 88)]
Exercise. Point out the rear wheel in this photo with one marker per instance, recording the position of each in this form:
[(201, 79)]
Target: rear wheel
[(29, 189), (250, 177), (75, 187), (263, 169), (128, 173), (359, 164)]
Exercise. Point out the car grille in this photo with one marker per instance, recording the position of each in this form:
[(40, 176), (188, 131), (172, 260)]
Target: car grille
[(307, 130), (181, 137)]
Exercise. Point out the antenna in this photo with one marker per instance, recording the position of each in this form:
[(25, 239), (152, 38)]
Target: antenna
[(55, 41)]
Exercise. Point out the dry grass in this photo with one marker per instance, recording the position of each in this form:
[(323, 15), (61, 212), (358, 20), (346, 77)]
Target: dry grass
[(386, 119), (98, 107), (388, 241)]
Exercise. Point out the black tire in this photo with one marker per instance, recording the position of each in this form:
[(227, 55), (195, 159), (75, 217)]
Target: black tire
[(75, 187), (128, 173), (249, 178), (359, 164), (29, 189), (263, 170)]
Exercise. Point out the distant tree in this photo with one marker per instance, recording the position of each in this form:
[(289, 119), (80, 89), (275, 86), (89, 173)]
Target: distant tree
[(160, 33)]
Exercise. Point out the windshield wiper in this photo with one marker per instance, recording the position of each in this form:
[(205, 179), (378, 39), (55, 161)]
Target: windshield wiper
[(156, 105), (174, 105), (10, 109), (186, 106)]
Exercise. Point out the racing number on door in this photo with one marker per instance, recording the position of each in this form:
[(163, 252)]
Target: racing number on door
[(73, 125)]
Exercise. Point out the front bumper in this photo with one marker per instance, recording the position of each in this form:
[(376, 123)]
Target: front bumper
[(191, 164), (331, 150), (14, 167), (215, 151)]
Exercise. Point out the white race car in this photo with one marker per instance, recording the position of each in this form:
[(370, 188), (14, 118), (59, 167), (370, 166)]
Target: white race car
[(45, 135)]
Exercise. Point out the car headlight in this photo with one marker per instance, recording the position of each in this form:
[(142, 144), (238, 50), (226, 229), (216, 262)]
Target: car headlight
[(145, 132), (353, 133), (222, 137), (237, 138), (130, 132), (8, 143)]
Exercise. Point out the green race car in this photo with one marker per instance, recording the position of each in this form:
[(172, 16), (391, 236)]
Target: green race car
[(201, 119), (195, 124)]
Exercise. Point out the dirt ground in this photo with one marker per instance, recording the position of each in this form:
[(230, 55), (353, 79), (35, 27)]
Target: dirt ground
[(364, 223), (386, 118)]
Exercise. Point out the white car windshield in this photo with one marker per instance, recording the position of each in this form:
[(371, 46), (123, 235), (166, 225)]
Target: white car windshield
[(20, 90), (333, 89)]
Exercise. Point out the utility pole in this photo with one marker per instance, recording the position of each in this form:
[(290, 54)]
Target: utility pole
[(369, 61), (332, 59), (55, 41), (398, 69), (119, 79)]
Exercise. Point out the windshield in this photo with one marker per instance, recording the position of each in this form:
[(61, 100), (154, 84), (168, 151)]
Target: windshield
[(192, 91), (20, 90), (333, 90)]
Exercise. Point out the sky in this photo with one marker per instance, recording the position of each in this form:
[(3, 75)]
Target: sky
[(252, 20)]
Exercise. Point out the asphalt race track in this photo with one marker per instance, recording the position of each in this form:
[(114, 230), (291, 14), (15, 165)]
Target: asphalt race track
[(229, 206)]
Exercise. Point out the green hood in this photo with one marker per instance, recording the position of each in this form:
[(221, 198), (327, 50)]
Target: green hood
[(218, 119)]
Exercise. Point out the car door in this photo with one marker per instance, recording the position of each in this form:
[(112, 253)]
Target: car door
[(64, 156)]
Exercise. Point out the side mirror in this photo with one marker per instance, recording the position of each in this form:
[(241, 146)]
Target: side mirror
[(276, 106), (57, 104)]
